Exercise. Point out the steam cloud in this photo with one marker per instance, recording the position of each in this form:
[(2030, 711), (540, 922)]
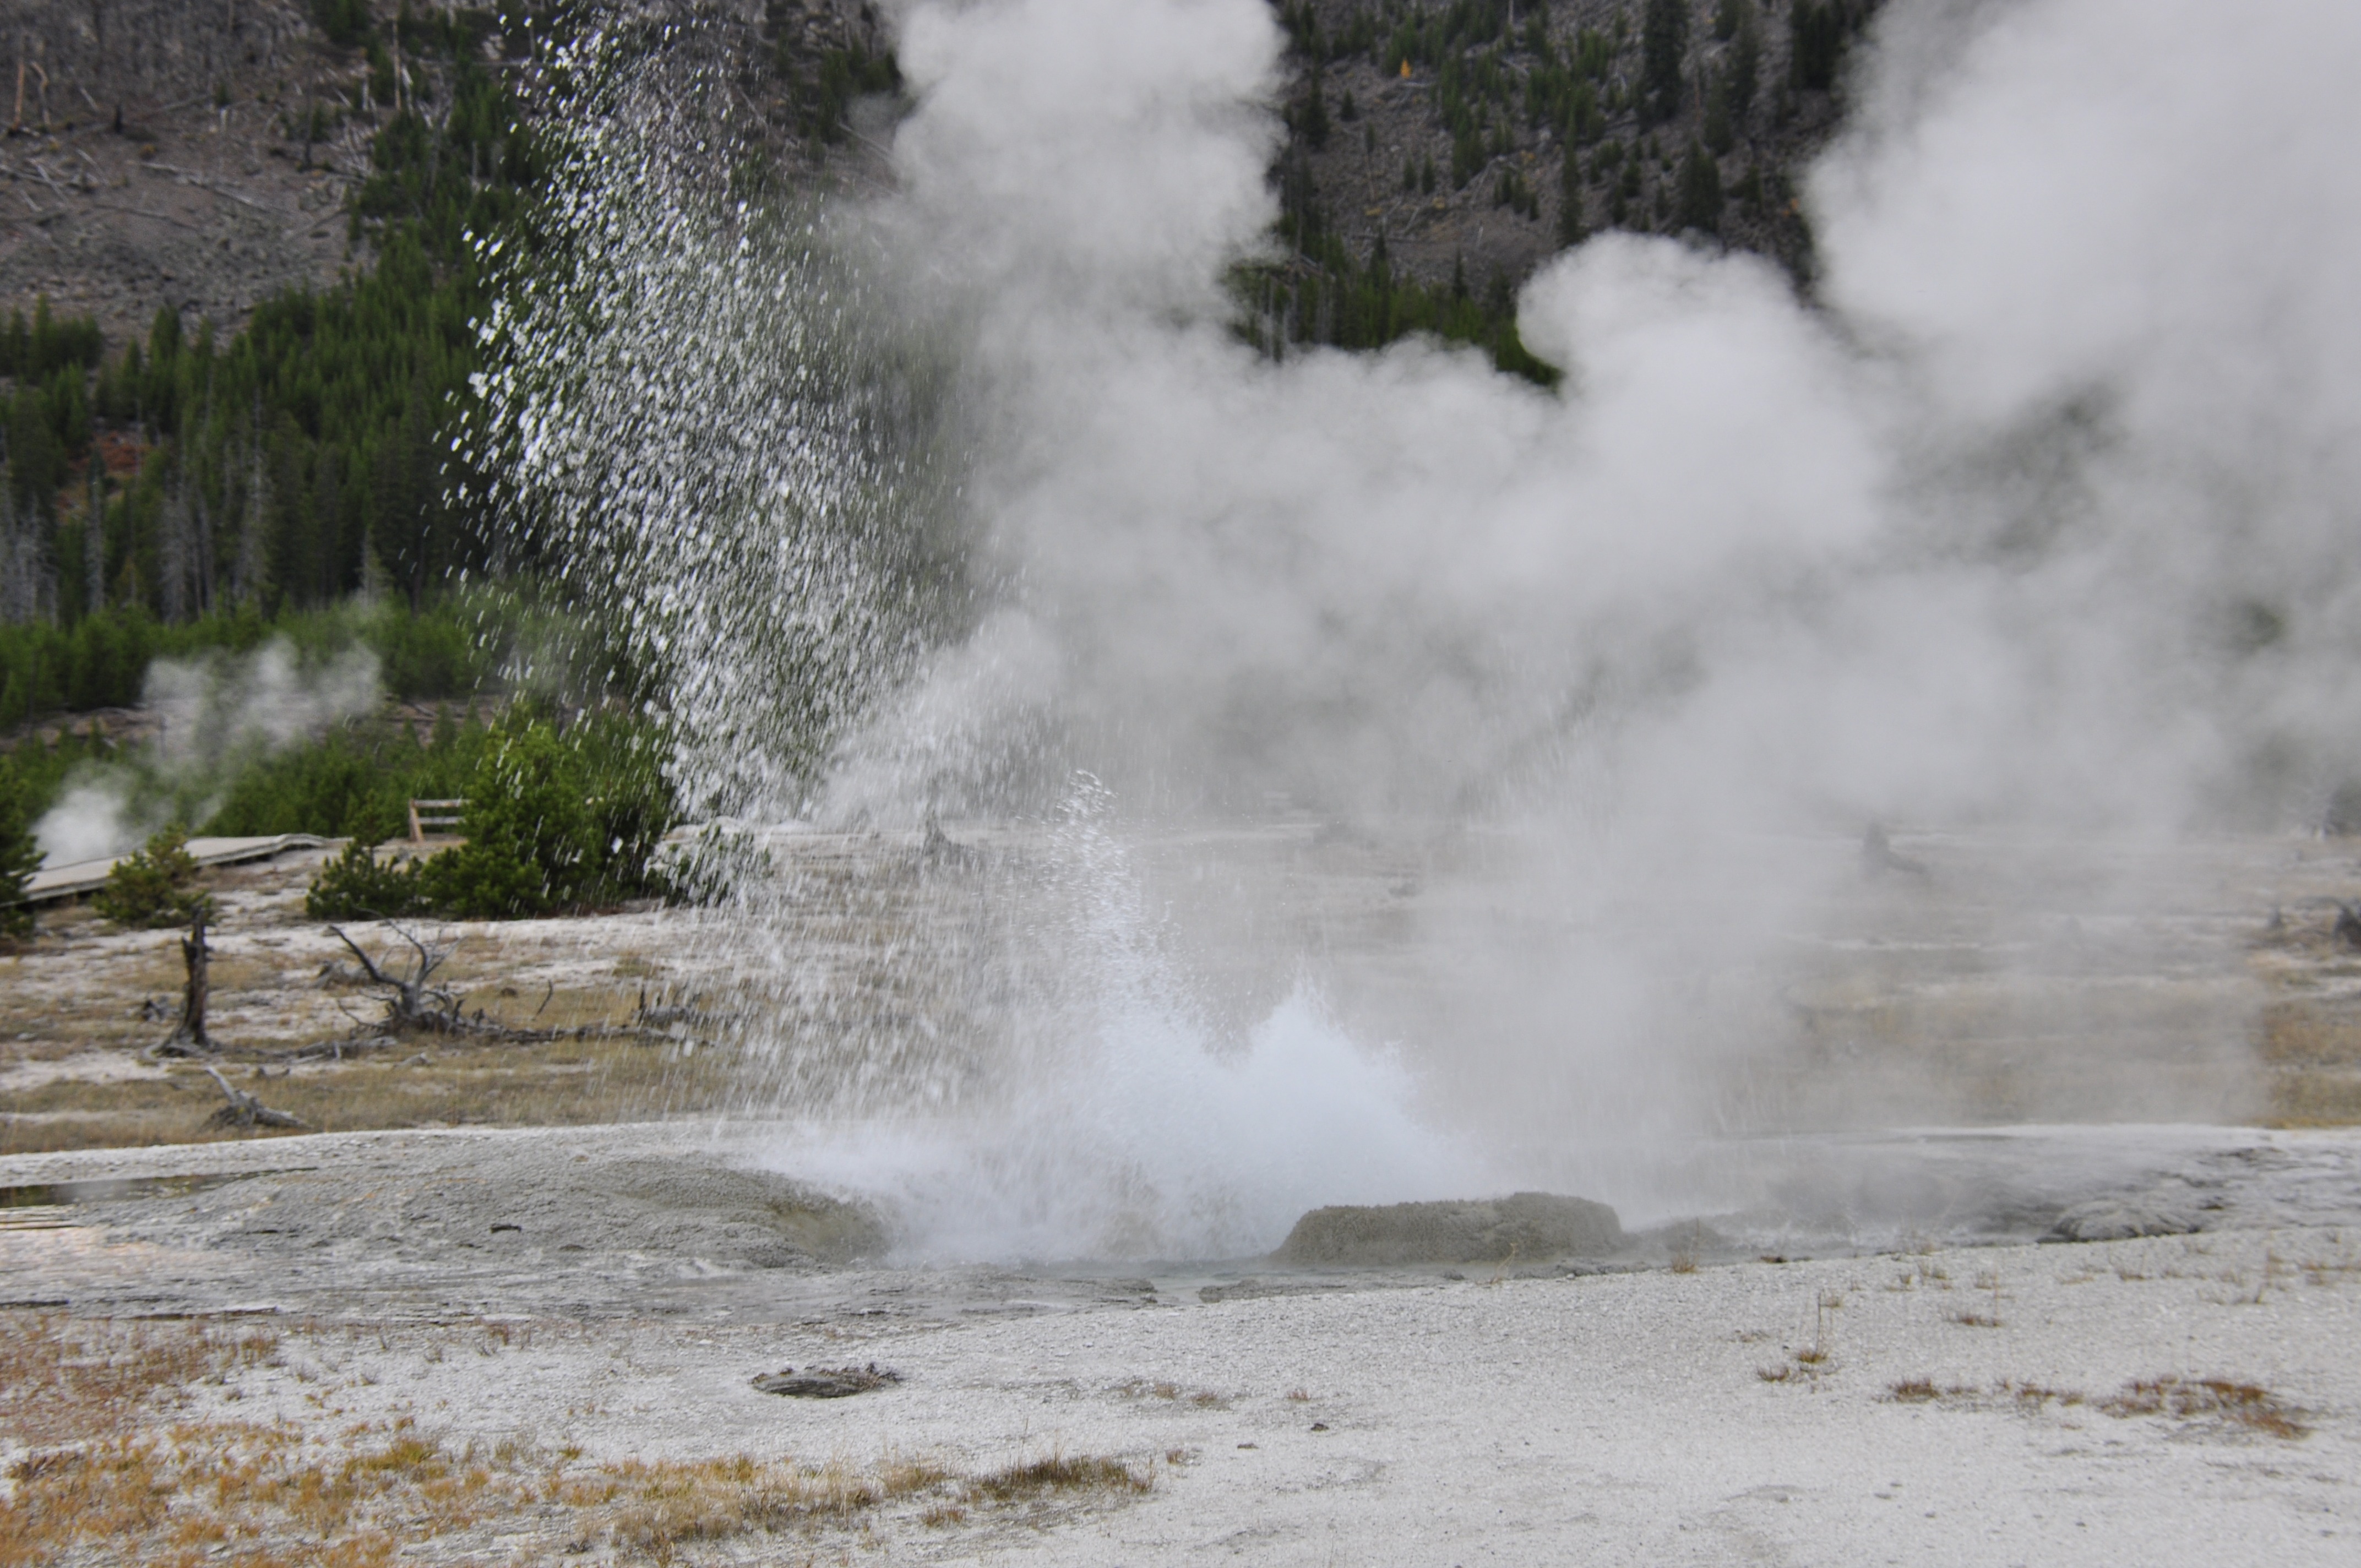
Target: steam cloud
[(2047, 512), (214, 711), (2040, 514)]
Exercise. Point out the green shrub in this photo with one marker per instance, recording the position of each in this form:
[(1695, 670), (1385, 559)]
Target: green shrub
[(154, 886), (20, 858), (357, 886), (556, 823), (532, 844)]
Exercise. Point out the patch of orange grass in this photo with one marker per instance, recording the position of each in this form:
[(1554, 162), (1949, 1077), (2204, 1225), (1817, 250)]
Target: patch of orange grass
[(2248, 1405), (64, 1378), (660, 1506), (114, 1474), (2218, 1399), (1058, 1473)]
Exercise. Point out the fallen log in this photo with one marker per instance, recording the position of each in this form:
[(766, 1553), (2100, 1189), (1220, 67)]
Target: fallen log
[(244, 1110)]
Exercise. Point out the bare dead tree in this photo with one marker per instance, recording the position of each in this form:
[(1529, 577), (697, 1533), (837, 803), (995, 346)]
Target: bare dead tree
[(244, 1110), (197, 959), (413, 1003), (189, 1037)]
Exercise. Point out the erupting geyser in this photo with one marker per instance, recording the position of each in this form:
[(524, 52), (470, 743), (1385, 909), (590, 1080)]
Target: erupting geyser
[(1370, 777)]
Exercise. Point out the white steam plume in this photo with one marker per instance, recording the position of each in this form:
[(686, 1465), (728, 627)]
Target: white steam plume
[(2044, 513), (2041, 516), (2044, 517), (214, 711)]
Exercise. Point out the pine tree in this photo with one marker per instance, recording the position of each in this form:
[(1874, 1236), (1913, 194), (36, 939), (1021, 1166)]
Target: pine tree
[(1745, 68), (1314, 121), (1700, 190), (1663, 47), (21, 857), (1815, 40), (1569, 200), (1718, 140), (1584, 123)]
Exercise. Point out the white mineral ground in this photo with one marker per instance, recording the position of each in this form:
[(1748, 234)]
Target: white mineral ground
[(613, 1289)]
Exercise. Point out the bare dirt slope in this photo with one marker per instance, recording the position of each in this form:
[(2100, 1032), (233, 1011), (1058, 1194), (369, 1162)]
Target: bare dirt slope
[(202, 154), (158, 155)]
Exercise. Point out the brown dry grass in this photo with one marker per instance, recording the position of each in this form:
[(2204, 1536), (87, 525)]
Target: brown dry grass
[(2218, 1403), (2220, 1400), (122, 1469), (655, 1509), (2310, 1050), (1058, 1473), (1203, 1399), (562, 1083), (65, 1379), (2309, 1033)]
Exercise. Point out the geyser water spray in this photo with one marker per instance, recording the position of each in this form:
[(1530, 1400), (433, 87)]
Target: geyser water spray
[(2034, 518)]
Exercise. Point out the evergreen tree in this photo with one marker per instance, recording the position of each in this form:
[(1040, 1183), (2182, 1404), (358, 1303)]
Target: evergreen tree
[(1313, 121), (1814, 42), (1569, 200), (1584, 122), (1700, 190), (20, 858), (1663, 48), (1718, 140), (1745, 68)]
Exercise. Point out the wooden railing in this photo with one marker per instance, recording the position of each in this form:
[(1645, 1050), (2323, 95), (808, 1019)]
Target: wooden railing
[(425, 813)]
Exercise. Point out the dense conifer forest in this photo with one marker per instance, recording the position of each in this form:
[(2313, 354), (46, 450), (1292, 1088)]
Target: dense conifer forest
[(1436, 153)]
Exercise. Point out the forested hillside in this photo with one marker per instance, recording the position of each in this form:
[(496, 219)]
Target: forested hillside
[(192, 473), (199, 466), (201, 472), (1437, 154)]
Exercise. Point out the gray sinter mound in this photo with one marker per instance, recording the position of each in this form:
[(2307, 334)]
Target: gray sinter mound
[(2116, 1218), (1527, 1226), (516, 1199)]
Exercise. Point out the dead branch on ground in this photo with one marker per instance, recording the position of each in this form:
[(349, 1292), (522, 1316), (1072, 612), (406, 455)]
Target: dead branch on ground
[(244, 1110), (415, 1004)]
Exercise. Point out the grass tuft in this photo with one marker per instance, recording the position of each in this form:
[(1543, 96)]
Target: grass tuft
[(1058, 1472), (2247, 1405), (2217, 1400)]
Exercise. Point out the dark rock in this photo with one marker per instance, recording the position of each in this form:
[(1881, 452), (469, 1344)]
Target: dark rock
[(826, 1382), (1529, 1226)]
